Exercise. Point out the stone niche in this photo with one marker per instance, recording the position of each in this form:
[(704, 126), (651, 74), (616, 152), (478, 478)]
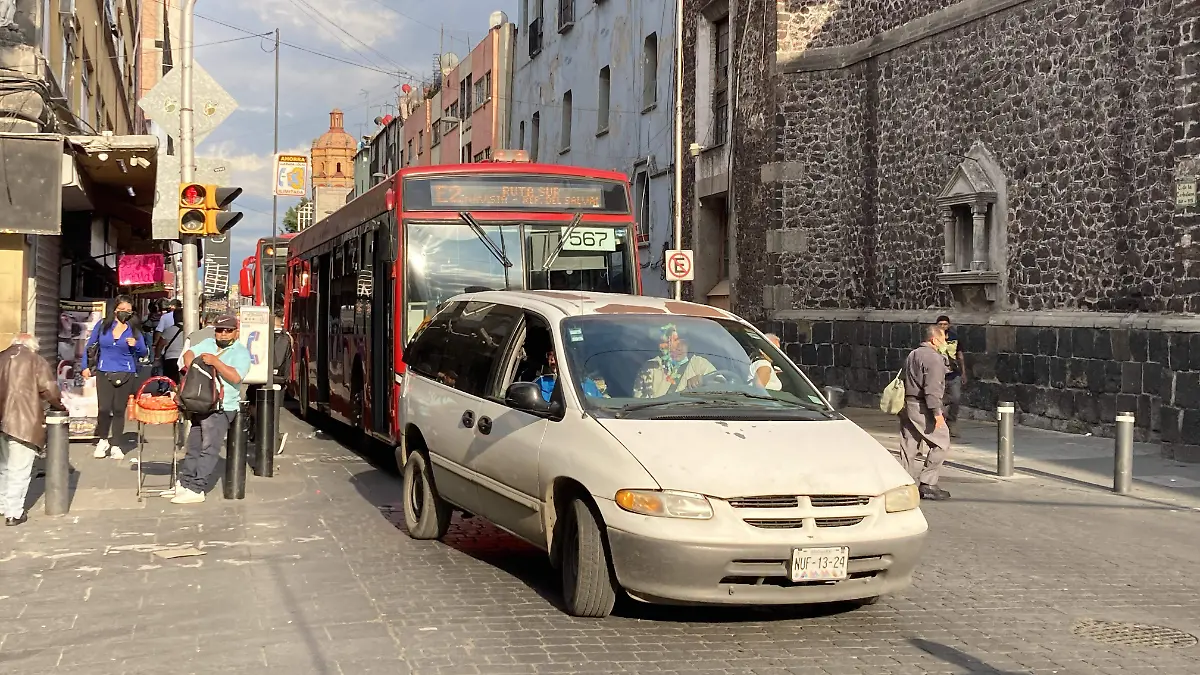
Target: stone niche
[(974, 214)]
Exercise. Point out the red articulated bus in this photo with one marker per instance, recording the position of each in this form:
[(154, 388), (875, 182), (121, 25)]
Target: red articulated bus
[(361, 282), (264, 272)]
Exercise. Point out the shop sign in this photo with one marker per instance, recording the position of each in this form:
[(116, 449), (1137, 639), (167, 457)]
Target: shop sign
[(140, 269)]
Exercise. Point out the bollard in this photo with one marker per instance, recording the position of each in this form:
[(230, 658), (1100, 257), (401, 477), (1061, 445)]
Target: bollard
[(1006, 412), (58, 463), (834, 396), (266, 430), (235, 458), (1123, 461)]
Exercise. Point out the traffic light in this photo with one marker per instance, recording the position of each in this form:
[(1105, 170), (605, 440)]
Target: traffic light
[(218, 201), (203, 209), (193, 219)]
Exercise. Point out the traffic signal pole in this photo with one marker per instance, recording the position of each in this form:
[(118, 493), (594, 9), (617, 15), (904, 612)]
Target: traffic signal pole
[(274, 235), (187, 168)]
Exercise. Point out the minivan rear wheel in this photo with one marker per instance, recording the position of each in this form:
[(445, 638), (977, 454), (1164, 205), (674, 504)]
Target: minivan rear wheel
[(426, 514), (588, 588)]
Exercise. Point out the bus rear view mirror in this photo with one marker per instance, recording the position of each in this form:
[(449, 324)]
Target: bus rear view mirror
[(246, 283)]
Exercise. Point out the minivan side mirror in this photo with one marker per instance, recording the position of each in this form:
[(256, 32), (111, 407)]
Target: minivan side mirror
[(527, 397)]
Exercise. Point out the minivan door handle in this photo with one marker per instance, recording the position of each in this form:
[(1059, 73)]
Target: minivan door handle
[(468, 419), (485, 425)]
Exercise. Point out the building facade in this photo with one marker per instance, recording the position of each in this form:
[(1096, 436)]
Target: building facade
[(1025, 166), (593, 86), (332, 159), (463, 115), (68, 87)]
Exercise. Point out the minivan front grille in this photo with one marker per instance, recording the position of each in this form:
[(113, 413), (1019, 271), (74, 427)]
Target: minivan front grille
[(766, 502), (776, 523), (840, 522), (822, 501)]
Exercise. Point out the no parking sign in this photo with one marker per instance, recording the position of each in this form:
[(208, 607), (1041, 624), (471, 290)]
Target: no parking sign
[(679, 265)]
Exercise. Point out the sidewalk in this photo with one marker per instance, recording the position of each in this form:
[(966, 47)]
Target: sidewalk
[(1084, 461)]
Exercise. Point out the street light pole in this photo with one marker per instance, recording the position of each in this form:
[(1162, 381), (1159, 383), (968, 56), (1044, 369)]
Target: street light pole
[(678, 136), (187, 171), (274, 234)]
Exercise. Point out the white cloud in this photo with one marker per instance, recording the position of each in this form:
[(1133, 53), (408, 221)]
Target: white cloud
[(335, 22)]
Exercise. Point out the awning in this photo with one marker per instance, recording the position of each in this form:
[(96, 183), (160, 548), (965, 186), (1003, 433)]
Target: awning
[(113, 174)]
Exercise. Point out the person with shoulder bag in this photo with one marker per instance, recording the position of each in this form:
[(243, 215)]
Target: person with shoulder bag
[(170, 348), (113, 351)]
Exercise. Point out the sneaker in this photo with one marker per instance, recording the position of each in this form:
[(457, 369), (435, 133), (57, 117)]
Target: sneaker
[(170, 492), (186, 496), (133, 458), (102, 447), (933, 493), (116, 453)]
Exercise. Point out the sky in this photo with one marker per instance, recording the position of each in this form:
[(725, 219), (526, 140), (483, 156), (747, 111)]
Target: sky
[(377, 45)]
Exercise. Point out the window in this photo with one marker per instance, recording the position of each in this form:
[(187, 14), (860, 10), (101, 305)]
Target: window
[(535, 28), (564, 143), (650, 71), (566, 14), (720, 104), (641, 200), (85, 88), (723, 242), (602, 107), (421, 142), (452, 111), (339, 168), (480, 156), (464, 97), (436, 134), (487, 85), (479, 95), (410, 152), (466, 154), (521, 137), (68, 60), (534, 132)]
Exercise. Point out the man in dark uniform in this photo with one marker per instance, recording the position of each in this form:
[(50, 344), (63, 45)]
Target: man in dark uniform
[(956, 379)]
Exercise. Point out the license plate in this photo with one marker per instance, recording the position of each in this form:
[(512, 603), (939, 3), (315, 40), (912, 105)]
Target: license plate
[(819, 564)]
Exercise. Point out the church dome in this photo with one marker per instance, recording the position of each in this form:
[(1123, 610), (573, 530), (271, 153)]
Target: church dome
[(336, 138)]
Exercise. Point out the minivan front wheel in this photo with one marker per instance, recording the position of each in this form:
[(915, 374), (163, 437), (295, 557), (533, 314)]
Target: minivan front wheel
[(426, 515), (588, 589)]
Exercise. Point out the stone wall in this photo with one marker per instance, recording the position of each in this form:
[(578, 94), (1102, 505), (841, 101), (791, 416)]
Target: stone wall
[(1073, 379)]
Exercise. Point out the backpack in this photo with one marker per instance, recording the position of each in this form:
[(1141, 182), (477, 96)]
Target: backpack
[(892, 400), (202, 389)]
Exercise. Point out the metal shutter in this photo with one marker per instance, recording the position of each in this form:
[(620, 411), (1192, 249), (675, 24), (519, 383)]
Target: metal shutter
[(48, 268)]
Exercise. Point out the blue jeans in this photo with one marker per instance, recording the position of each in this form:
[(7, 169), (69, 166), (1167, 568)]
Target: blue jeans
[(16, 466), (204, 443)]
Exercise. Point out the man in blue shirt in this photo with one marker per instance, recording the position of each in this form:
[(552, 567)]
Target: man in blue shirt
[(231, 360)]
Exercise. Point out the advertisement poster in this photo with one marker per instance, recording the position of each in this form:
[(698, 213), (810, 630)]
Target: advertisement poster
[(75, 323), (256, 330)]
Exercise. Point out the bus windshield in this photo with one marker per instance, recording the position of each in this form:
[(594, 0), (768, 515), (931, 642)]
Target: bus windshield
[(449, 258), (271, 282)]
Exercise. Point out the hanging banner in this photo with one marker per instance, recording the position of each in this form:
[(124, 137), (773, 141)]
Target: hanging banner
[(140, 269), (75, 323)]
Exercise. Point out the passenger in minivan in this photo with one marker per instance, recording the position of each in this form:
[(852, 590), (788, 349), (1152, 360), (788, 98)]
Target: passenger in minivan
[(591, 387), (674, 369)]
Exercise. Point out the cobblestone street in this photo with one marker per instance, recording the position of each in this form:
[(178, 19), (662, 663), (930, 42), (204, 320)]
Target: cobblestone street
[(311, 574)]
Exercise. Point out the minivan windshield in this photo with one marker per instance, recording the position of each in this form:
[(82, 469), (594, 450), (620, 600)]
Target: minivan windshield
[(647, 365)]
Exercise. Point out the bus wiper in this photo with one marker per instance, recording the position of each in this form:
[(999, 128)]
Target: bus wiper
[(562, 242), (487, 241)]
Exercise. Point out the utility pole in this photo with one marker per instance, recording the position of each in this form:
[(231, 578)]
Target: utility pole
[(187, 170), (274, 235), (678, 136)]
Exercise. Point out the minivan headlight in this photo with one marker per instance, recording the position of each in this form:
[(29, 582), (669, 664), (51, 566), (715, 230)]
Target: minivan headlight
[(903, 498), (665, 504)]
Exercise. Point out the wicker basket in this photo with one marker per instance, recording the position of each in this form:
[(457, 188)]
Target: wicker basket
[(149, 409)]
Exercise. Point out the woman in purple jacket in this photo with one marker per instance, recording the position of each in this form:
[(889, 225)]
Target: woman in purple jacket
[(115, 345)]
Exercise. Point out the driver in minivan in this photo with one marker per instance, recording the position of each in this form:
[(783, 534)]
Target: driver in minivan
[(673, 369)]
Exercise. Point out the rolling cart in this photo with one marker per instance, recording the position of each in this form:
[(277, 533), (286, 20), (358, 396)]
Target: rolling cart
[(156, 410)]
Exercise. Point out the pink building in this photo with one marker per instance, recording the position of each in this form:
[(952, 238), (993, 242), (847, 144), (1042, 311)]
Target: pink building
[(477, 91)]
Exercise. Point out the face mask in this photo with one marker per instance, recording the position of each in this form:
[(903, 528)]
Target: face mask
[(124, 317), (224, 343)]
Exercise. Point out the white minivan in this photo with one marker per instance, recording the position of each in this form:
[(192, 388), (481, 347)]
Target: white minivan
[(642, 444)]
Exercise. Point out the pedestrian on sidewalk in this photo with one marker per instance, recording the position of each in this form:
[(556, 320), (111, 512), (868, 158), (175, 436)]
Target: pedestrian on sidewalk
[(168, 344), (923, 421), (956, 379), (282, 356), (231, 360), (26, 381), (113, 350), (204, 332)]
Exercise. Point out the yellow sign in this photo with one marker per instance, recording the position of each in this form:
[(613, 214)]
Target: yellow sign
[(291, 175)]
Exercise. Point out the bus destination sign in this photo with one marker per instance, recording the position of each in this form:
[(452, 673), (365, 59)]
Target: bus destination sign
[(475, 195), (508, 192)]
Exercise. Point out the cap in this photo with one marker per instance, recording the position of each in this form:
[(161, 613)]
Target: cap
[(227, 321)]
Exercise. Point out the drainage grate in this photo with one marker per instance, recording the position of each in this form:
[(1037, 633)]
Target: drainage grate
[(341, 459), (1132, 634)]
